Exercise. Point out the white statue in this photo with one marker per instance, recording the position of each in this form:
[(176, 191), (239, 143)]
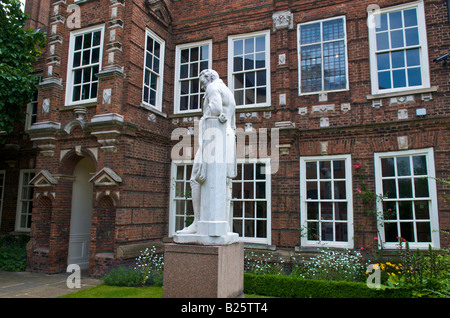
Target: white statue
[(214, 166)]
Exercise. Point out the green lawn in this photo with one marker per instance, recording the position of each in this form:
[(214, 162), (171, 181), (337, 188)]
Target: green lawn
[(105, 291)]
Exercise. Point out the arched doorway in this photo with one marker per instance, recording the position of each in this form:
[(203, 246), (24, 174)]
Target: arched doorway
[(80, 220)]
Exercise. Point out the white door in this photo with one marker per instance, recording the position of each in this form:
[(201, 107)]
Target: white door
[(80, 221)]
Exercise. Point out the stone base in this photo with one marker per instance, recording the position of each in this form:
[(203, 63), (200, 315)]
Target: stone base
[(198, 271), (228, 238)]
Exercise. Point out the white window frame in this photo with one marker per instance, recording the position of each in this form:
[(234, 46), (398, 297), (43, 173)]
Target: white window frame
[(321, 43), (30, 106), (2, 193), (304, 200), (20, 202), (434, 212), (265, 241), (70, 72), (231, 72), (160, 79), (177, 87), (423, 47)]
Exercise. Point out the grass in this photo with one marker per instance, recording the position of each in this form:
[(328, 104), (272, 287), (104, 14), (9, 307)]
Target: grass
[(105, 291)]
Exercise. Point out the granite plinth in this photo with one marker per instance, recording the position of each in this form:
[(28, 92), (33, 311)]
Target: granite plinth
[(199, 271)]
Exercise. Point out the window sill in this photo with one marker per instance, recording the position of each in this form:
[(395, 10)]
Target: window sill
[(153, 110), (254, 109), (72, 107), (431, 89)]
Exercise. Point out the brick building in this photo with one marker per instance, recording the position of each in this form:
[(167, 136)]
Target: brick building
[(346, 96)]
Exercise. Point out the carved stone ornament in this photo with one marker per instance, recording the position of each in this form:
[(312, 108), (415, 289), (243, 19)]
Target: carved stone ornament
[(283, 20)]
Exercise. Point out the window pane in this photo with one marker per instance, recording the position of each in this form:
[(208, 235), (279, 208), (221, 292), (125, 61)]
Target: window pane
[(312, 211), (405, 188), (325, 190), (313, 231), (260, 190), (194, 54), (325, 169), (384, 80), (326, 211), (78, 42), (311, 190), (387, 167), (407, 231), (77, 59), (389, 188), (260, 43), (413, 57), (398, 59), (397, 39), (341, 232), (339, 169), (339, 190), (238, 64), (420, 165), (399, 78), (327, 231), (249, 45), (381, 22), (412, 36), (310, 33), (395, 20), (410, 17), (87, 40), (382, 41), (414, 77), (423, 232), (421, 187), (238, 47), (403, 166), (261, 209), (383, 61), (391, 232), (333, 29), (421, 210), (405, 210), (340, 211), (311, 170), (204, 53)]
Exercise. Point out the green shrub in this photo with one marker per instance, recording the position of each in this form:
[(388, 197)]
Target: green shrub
[(147, 270), (13, 253), (295, 287), (124, 276)]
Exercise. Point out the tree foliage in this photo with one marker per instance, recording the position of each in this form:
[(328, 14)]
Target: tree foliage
[(19, 49)]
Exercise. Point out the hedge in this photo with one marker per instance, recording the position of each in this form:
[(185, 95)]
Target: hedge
[(293, 287)]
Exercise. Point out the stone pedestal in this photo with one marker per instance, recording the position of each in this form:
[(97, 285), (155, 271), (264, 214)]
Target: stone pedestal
[(199, 271)]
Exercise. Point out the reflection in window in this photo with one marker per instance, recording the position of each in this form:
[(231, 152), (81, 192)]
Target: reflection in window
[(323, 56), (326, 204), (191, 61), (250, 69), (398, 49), (407, 201)]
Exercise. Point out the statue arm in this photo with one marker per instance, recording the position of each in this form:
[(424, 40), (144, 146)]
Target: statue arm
[(215, 100)]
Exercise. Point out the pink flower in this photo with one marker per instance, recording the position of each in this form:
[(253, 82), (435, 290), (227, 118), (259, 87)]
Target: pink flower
[(362, 248), (359, 191), (375, 238), (357, 166)]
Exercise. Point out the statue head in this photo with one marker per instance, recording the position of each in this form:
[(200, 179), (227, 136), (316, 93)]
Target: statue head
[(206, 77)]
